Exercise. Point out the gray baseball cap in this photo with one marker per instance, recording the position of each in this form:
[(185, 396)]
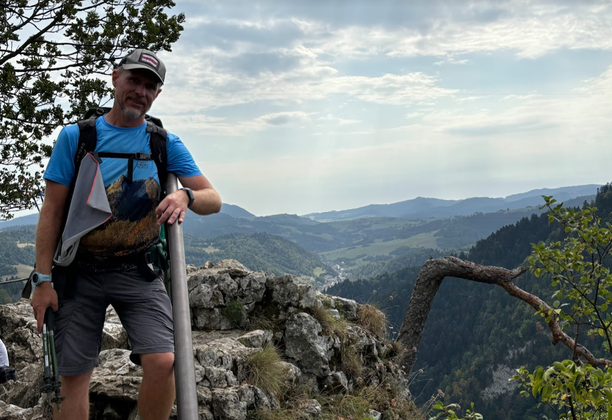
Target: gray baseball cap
[(144, 59)]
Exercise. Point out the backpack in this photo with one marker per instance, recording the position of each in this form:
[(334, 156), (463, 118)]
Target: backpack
[(88, 139), (158, 254), (7, 373)]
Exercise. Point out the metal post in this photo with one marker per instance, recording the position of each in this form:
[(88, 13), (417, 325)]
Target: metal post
[(184, 368)]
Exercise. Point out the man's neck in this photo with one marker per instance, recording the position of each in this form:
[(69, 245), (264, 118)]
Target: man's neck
[(118, 119)]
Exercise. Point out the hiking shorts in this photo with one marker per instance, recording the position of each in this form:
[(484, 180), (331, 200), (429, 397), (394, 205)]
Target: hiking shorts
[(141, 302)]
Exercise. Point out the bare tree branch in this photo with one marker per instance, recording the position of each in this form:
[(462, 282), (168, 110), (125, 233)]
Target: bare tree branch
[(428, 282)]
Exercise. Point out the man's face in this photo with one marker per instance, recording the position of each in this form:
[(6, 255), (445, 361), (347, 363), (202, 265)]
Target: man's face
[(135, 91)]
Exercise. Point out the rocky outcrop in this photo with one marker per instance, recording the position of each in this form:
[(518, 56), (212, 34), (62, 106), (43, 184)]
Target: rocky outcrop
[(236, 313)]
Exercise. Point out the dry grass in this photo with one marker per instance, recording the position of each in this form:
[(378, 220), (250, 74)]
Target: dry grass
[(284, 414), (394, 350), (266, 372), (355, 406), (330, 324), (373, 320), (351, 361)]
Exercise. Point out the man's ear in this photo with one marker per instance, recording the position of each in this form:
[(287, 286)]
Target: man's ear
[(115, 76), (158, 92)]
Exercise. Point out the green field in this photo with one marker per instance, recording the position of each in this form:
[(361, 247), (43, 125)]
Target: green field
[(318, 271), (23, 271), (423, 240)]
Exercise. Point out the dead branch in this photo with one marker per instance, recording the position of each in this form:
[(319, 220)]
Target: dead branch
[(428, 282)]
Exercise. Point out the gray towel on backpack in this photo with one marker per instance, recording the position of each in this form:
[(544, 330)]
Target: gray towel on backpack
[(89, 208)]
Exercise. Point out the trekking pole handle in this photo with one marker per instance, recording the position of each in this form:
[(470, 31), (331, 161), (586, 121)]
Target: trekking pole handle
[(50, 319)]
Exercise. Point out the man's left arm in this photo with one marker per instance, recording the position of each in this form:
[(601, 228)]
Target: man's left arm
[(174, 207)]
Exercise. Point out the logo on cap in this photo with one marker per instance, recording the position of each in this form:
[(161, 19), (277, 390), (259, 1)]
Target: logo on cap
[(149, 59)]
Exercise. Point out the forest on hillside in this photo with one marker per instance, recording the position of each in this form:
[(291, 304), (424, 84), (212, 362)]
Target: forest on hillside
[(17, 249), (476, 334)]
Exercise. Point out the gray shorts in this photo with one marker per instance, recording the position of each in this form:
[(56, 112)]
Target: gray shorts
[(142, 305)]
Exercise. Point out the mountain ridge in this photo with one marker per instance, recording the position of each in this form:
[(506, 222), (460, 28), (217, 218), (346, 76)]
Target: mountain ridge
[(415, 208), (425, 207)]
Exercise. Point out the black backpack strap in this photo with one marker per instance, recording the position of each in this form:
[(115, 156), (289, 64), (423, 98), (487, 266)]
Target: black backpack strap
[(159, 152), (88, 139)]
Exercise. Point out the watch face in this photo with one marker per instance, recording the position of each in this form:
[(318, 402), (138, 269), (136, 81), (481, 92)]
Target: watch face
[(38, 278)]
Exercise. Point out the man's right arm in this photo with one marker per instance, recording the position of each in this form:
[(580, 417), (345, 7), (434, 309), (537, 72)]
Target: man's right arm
[(48, 232)]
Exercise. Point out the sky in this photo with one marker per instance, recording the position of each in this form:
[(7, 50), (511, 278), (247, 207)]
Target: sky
[(311, 106)]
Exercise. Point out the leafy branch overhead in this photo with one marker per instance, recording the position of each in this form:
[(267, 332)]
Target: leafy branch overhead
[(54, 60)]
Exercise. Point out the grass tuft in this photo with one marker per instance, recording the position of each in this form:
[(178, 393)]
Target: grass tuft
[(373, 320), (266, 372), (351, 361), (279, 414), (330, 324)]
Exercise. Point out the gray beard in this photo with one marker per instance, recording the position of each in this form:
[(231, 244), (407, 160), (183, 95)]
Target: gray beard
[(131, 113)]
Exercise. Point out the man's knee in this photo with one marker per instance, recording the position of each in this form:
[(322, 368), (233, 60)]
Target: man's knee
[(157, 362), (77, 385)]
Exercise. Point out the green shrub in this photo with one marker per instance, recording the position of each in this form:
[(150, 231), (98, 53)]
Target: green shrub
[(233, 312)]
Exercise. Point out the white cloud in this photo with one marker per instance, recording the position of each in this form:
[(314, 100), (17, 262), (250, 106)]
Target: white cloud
[(301, 108)]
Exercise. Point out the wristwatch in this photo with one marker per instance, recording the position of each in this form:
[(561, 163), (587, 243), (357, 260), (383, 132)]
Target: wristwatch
[(190, 195), (38, 278)]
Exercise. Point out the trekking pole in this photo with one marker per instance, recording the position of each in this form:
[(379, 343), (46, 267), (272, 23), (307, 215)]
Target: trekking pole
[(51, 383), (184, 367)]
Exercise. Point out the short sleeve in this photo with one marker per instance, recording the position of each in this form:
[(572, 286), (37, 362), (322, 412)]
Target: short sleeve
[(60, 168), (180, 160)]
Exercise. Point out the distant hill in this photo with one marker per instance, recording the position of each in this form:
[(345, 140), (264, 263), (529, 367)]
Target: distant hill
[(32, 219), (258, 251), (421, 207), (236, 211), (357, 241)]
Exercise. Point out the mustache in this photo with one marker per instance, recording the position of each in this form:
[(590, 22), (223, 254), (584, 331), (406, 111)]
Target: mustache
[(137, 100)]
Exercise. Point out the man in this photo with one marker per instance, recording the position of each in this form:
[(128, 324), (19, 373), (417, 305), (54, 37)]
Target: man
[(109, 267)]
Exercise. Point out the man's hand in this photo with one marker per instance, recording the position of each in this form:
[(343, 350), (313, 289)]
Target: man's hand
[(172, 208), (44, 296)]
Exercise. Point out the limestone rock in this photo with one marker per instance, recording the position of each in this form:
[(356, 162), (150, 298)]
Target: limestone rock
[(311, 408), (222, 297), (114, 335), (116, 377), (256, 338), (305, 344)]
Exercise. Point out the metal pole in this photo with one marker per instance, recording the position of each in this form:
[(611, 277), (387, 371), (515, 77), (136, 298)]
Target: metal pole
[(184, 368)]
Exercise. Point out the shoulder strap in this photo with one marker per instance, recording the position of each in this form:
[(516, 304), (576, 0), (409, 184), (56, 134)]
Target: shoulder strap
[(88, 139), (87, 135), (159, 152), (87, 142)]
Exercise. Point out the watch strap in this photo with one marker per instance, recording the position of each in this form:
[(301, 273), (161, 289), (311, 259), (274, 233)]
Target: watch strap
[(39, 278), (190, 195)]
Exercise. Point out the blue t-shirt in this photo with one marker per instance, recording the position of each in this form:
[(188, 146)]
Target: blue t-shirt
[(132, 228)]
